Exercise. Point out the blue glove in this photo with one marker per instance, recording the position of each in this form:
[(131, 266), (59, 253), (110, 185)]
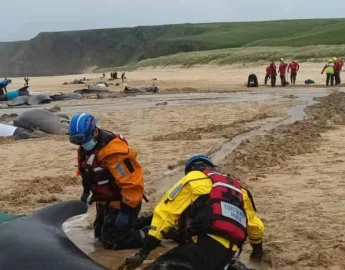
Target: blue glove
[(122, 221)]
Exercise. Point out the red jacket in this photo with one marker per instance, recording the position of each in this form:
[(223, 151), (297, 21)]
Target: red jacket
[(282, 68), (268, 70), (338, 65), (273, 69), (293, 66)]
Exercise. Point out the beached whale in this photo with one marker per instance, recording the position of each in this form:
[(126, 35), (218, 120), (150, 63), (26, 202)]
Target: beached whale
[(135, 90), (92, 90), (43, 120), (15, 132), (37, 241), (66, 96), (29, 100)]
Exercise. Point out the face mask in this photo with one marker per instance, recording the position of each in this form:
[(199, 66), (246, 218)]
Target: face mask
[(89, 145)]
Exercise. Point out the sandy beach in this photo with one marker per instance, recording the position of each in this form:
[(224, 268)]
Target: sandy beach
[(294, 170)]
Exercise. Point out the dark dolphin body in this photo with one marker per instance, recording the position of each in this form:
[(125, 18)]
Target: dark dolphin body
[(151, 89), (92, 90), (66, 96), (44, 121), (21, 133), (38, 242), (29, 100), (133, 90), (39, 99)]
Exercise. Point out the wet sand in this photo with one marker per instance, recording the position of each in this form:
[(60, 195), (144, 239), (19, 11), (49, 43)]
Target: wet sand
[(207, 78), (287, 194)]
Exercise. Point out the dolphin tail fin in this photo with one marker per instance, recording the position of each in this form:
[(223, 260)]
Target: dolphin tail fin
[(58, 213)]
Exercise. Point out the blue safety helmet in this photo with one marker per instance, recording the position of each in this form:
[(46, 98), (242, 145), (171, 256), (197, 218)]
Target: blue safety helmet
[(81, 128), (197, 159)]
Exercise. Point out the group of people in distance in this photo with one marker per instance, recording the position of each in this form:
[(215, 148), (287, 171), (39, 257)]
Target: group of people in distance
[(271, 72), (333, 68)]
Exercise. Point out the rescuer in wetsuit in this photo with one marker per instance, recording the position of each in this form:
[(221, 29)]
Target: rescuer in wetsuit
[(3, 86), (111, 172), (268, 74), (329, 68), (273, 70), (282, 70), (338, 66), (213, 213), (294, 68)]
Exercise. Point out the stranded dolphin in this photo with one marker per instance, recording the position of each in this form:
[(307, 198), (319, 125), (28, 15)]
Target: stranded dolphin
[(22, 100), (44, 121), (92, 90), (15, 132), (66, 96), (37, 241), (39, 99), (133, 90), (29, 100)]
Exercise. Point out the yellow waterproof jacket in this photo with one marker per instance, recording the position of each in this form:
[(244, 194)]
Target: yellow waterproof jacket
[(183, 194), (120, 159)]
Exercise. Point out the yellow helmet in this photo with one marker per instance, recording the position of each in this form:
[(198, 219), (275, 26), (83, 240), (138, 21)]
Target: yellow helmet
[(334, 59), (330, 60)]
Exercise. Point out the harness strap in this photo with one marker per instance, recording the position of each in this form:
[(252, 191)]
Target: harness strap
[(217, 184)]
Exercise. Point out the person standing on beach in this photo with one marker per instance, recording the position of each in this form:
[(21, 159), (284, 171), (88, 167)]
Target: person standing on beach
[(268, 74), (329, 68), (338, 66), (294, 67), (273, 70), (282, 71)]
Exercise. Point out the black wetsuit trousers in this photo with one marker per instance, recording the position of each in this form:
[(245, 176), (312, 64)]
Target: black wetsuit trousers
[(206, 254), (337, 77), (293, 76), (329, 79), (2, 91), (112, 238), (273, 80)]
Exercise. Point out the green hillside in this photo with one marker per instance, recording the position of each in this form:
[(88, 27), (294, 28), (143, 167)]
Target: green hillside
[(72, 51), (245, 55)]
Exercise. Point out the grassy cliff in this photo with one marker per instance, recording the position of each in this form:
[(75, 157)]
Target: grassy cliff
[(73, 51)]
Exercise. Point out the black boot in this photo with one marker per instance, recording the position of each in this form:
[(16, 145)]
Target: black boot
[(257, 252), (237, 265)]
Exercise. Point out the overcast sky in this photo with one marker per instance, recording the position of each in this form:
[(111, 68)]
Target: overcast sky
[(24, 19)]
